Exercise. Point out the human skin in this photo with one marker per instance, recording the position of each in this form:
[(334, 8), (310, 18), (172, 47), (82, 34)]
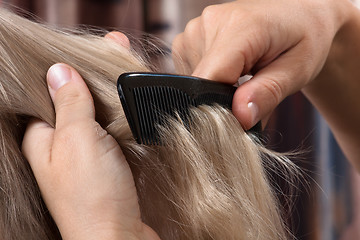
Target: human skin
[(335, 91), (81, 171), (285, 45)]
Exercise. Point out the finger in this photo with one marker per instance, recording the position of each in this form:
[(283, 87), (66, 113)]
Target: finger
[(70, 95), (193, 42), (36, 145), (179, 56), (188, 47), (257, 98), (232, 54), (119, 38), (226, 64)]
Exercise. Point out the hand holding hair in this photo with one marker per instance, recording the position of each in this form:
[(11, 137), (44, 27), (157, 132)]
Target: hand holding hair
[(82, 173), (284, 45), (271, 39)]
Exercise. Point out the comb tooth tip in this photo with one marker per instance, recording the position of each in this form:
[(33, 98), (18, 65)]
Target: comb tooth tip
[(149, 97)]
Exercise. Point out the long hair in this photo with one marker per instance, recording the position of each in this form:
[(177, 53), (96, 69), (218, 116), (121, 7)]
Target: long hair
[(207, 182)]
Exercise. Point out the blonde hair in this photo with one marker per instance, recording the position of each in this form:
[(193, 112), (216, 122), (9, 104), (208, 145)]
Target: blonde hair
[(207, 182)]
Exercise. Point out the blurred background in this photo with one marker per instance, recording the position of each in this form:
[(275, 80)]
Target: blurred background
[(326, 203)]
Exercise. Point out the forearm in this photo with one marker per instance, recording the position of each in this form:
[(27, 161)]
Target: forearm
[(336, 91)]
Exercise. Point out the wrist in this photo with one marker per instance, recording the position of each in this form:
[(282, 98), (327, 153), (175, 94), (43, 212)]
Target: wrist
[(335, 91), (347, 31), (343, 52), (344, 12)]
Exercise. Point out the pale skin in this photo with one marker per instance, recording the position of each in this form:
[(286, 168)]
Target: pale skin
[(82, 173), (88, 186), (285, 44)]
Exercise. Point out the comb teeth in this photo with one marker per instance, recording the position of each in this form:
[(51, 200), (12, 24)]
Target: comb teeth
[(210, 98), (147, 98), (153, 104)]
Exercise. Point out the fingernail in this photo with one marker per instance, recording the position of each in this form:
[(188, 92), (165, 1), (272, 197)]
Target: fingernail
[(58, 75), (254, 110)]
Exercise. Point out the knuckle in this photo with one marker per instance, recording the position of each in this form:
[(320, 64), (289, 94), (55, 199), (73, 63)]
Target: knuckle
[(66, 96), (209, 19), (275, 89), (192, 27), (237, 14), (69, 96), (209, 13)]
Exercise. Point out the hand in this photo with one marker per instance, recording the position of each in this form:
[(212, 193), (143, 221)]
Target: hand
[(284, 44), (82, 173)]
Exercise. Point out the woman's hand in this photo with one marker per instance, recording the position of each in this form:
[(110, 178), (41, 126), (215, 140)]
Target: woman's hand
[(82, 173), (283, 43)]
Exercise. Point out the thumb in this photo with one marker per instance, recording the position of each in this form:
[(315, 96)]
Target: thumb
[(36, 145), (257, 98), (71, 97)]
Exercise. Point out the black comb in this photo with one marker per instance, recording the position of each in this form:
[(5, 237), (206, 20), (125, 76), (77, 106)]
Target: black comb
[(148, 97)]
